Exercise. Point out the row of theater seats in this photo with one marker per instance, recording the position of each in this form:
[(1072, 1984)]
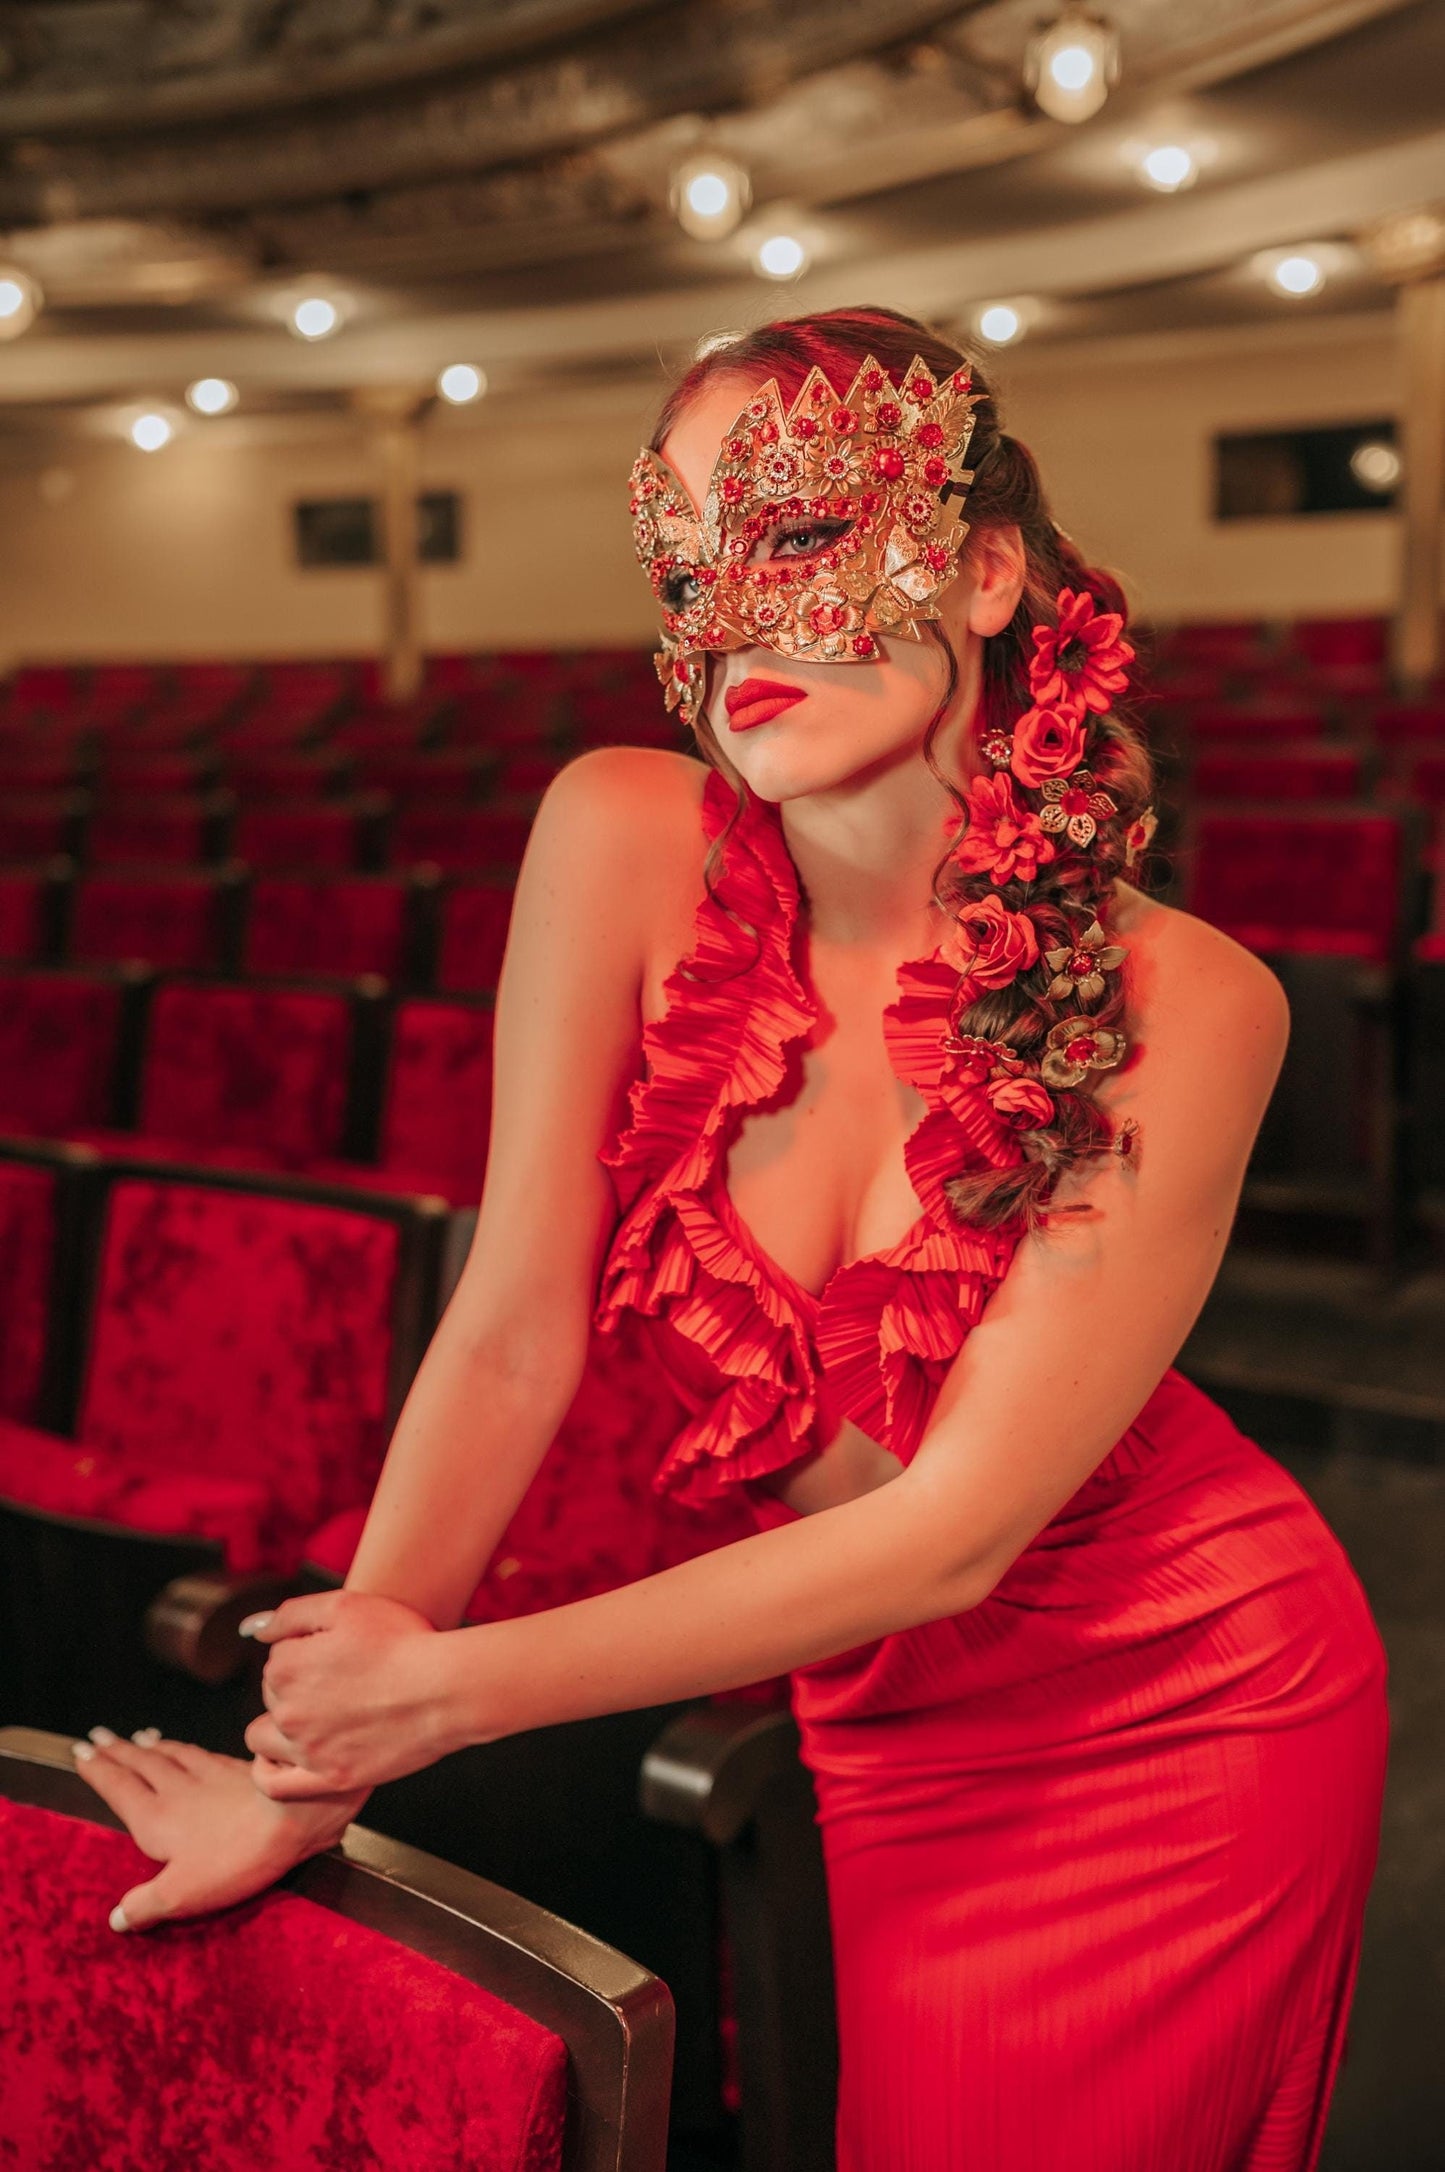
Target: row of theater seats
[(419, 929)]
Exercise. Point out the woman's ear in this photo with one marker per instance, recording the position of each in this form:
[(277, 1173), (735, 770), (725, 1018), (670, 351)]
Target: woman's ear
[(999, 565)]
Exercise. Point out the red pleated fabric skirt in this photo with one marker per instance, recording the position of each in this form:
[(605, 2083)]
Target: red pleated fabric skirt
[(1098, 1849)]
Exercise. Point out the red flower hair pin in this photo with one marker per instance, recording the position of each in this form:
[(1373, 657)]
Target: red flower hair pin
[(1080, 663)]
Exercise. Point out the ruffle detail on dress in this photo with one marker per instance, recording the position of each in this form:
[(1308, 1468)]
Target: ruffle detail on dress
[(888, 1326), (735, 1004)]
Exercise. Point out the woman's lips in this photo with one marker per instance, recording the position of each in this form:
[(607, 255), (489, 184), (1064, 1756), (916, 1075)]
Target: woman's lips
[(758, 701)]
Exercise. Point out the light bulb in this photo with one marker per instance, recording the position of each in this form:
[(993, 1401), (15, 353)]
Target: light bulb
[(315, 317), (19, 301), (148, 433), (1168, 166), (999, 323), (461, 382), (1298, 274), (709, 196), (1072, 64), (781, 256), (1375, 465), (211, 395)]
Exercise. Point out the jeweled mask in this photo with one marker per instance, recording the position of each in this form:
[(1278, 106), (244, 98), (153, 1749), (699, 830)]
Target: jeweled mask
[(877, 472)]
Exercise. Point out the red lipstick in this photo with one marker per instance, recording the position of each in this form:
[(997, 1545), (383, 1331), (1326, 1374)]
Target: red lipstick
[(758, 701)]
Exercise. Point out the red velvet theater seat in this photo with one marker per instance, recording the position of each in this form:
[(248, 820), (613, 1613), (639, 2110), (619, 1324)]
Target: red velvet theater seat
[(307, 835), (305, 776), (36, 825), (38, 768), (1291, 773), (436, 1108), (28, 899), (249, 1343), (463, 839), (1241, 726), (184, 828), (177, 920), (1344, 642), (1326, 884), (129, 773), (242, 1074), (28, 1224), (475, 917), (60, 1048), (378, 2009), (459, 775), (339, 926)]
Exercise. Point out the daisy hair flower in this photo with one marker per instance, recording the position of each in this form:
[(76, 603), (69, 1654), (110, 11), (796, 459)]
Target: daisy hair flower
[(1080, 663)]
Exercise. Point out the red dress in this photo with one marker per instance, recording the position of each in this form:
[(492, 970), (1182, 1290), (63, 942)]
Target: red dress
[(1098, 1848)]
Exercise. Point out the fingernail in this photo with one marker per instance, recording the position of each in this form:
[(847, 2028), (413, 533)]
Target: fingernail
[(252, 1623), (118, 1918), (146, 1736), (83, 1751), (103, 1736)]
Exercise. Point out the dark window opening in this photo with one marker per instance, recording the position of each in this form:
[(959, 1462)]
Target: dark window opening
[(1282, 474)]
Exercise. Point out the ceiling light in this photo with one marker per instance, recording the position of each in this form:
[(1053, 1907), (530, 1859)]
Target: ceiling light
[(20, 298), (999, 323), (315, 316), (781, 256), (1375, 465), (461, 382), (150, 432), (1297, 274), (211, 395), (1072, 64), (1169, 166), (709, 196)]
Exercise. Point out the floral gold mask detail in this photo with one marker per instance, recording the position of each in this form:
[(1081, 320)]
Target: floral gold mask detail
[(876, 475)]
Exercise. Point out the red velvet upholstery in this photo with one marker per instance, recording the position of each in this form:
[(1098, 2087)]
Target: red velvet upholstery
[(298, 837), (22, 914), (591, 1519), (59, 1035), (1326, 773), (127, 773), (154, 829), (253, 1067), (236, 1384), (474, 920), (1242, 726), (526, 773), (275, 2037), (171, 920), (341, 926), (27, 1263), (438, 1107), (1214, 641), (286, 776), (1427, 779), (1412, 724), (464, 838), (1323, 884), (41, 768), (1343, 641), (34, 825), (455, 775)]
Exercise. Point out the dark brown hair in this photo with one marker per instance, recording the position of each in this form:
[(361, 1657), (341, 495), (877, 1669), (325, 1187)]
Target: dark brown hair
[(1073, 888)]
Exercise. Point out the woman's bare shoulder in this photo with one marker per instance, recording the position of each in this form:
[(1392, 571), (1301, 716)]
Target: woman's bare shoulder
[(1182, 968), (638, 806)]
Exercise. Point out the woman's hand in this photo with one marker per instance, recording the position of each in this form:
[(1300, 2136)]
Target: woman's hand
[(202, 1816), (353, 1692)]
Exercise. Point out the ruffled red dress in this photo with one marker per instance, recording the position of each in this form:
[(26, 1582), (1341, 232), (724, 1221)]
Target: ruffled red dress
[(1098, 1849)]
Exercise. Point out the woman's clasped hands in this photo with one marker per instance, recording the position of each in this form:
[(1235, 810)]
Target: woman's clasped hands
[(355, 1691)]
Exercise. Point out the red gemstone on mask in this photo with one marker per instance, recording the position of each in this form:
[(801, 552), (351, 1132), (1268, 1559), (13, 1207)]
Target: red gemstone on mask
[(733, 490), (843, 420), (920, 388), (961, 381), (888, 462), (704, 575), (935, 473), (1082, 1049), (888, 416), (767, 433), (930, 435), (806, 426), (937, 555), (828, 618), (864, 644), (820, 508), (873, 381)]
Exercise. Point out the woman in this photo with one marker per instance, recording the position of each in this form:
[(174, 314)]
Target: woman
[(1093, 1700)]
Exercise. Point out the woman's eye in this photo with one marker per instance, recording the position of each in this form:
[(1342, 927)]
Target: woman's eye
[(680, 589), (807, 539)]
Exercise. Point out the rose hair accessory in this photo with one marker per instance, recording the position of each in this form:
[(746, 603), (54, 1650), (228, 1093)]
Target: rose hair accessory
[(876, 475), (1035, 816)]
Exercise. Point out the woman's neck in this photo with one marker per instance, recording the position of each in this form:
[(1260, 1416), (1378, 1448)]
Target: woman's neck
[(866, 854)]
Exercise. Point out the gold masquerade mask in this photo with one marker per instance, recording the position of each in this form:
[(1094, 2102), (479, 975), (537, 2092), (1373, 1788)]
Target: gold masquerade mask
[(870, 486)]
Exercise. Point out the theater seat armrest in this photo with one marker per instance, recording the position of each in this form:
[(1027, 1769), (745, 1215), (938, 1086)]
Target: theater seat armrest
[(711, 1766), (194, 1624)]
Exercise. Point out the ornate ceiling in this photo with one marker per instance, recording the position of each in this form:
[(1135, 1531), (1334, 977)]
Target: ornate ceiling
[(492, 175)]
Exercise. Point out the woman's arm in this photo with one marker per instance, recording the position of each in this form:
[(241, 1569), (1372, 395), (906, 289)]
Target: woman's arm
[(508, 1354), (1087, 1320)]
